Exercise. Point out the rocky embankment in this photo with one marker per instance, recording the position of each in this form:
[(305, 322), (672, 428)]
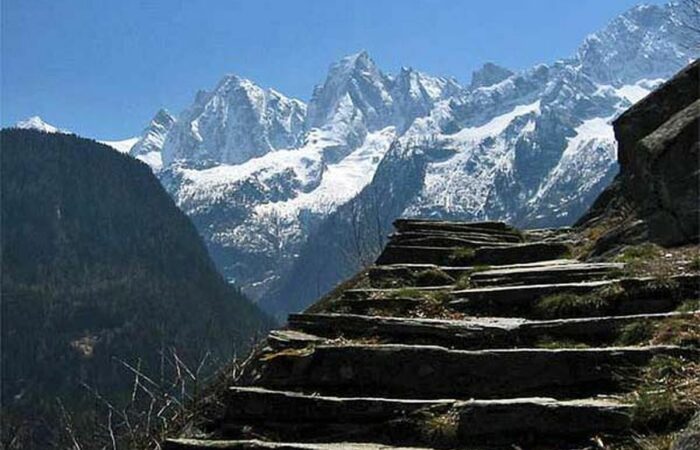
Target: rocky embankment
[(655, 196), (480, 335)]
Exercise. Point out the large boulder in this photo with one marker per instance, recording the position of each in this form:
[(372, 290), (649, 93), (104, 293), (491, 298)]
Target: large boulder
[(656, 195)]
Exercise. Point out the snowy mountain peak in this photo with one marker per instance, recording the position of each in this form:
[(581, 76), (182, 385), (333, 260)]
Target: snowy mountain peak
[(353, 85), (235, 122), (647, 41), (488, 75), (150, 144), (163, 117), (357, 61), (37, 123)]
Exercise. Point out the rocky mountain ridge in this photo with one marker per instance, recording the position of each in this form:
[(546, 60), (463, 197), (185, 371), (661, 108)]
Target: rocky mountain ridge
[(262, 175)]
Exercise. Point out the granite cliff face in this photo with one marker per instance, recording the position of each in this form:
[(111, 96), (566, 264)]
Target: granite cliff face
[(656, 195)]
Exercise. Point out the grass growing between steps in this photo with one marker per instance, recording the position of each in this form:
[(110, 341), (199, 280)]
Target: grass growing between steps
[(689, 306), (606, 299), (682, 331), (396, 279), (551, 343), (652, 260), (438, 427), (667, 394), (649, 442), (432, 277), (465, 281), (566, 305), (694, 264)]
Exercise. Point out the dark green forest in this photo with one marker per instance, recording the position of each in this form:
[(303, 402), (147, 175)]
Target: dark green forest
[(100, 272)]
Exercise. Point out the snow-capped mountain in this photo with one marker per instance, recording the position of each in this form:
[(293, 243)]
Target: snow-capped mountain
[(291, 198), (488, 75), (149, 145), (235, 122), (37, 123)]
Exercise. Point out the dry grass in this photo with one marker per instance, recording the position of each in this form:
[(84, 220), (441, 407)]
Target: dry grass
[(652, 260), (549, 342), (683, 331), (439, 428), (649, 442), (667, 394), (432, 277), (294, 352)]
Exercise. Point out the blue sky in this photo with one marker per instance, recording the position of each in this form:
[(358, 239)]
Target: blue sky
[(102, 68)]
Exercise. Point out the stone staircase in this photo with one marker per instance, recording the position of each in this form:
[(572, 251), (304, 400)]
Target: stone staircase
[(464, 335)]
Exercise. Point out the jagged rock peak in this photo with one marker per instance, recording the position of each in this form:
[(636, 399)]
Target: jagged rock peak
[(235, 122), (647, 41), (153, 136), (488, 75), (163, 117), (353, 83)]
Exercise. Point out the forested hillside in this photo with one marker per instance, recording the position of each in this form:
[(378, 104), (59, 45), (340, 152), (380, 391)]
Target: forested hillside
[(100, 270)]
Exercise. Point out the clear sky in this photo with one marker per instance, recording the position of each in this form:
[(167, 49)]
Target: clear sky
[(102, 68)]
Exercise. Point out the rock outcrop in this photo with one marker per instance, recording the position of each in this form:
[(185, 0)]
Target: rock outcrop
[(656, 195)]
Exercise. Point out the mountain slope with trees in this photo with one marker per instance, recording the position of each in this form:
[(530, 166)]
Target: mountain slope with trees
[(100, 271)]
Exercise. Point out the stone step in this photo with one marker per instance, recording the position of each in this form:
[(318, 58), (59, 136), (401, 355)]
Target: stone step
[(545, 274), (473, 333), (446, 241), (548, 234), (253, 444), (490, 228), (291, 415), (398, 306), (477, 237), (422, 371), (445, 256), (556, 271), (635, 296), (377, 293)]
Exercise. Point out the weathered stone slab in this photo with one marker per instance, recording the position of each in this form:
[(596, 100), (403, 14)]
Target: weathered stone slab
[(511, 254), (404, 421), (291, 338), (641, 296), (476, 237), (360, 294), (496, 228), (418, 371), (254, 444), (546, 274), (541, 272), (474, 333), (516, 297), (252, 403)]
